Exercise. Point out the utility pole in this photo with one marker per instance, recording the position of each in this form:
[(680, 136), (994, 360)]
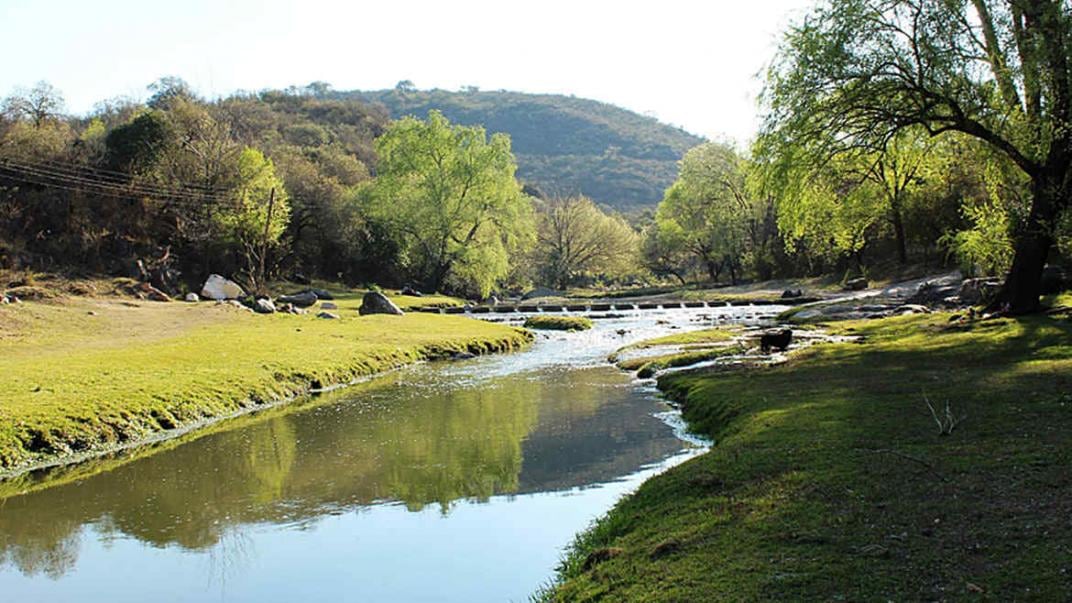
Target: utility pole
[(264, 241)]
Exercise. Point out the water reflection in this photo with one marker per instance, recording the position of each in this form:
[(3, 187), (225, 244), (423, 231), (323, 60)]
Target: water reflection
[(410, 439), (472, 474)]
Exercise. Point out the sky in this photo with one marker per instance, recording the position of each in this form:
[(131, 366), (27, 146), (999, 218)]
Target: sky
[(694, 64)]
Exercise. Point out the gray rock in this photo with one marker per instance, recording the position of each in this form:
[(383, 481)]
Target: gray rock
[(462, 356), (264, 306), (320, 293), (775, 340), (411, 292), (219, 288), (375, 302), (327, 315), (542, 292), (238, 304), (911, 309), (792, 294), (192, 297), (303, 299), (978, 290), (856, 284), (328, 306), (4, 300)]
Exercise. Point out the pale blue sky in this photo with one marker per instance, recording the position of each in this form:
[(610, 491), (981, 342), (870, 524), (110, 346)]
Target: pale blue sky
[(690, 63)]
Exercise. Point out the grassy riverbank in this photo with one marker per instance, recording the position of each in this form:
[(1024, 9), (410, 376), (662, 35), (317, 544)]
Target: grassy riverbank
[(830, 481), (84, 374)]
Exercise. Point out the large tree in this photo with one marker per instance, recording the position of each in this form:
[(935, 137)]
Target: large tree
[(576, 238), (451, 193), (854, 73), (707, 210)]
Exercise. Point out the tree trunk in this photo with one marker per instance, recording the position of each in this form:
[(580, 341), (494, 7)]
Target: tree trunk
[(1023, 286), (714, 269), (898, 230)]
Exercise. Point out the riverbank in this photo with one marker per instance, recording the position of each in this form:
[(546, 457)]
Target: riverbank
[(85, 375), (830, 480)]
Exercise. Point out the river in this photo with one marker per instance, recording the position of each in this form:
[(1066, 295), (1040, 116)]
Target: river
[(457, 481)]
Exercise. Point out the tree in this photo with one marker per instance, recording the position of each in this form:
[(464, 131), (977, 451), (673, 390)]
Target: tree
[(857, 72), (706, 211), (575, 238), (39, 104), (259, 214), (451, 193)]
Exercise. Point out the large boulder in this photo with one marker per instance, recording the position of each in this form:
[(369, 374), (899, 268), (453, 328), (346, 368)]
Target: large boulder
[(321, 293), (375, 302), (410, 292), (303, 299), (792, 293), (219, 288)]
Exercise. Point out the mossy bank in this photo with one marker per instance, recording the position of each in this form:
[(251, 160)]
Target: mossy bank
[(85, 375), (830, 479)]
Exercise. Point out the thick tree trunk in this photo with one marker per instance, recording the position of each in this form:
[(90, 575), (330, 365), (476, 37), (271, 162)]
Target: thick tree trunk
[(1032, 243)]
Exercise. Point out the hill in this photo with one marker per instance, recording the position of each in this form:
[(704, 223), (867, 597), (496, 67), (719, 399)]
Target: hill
[(563, 144)]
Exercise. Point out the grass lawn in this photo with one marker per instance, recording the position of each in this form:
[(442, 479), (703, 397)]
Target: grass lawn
[(83, 374), (558, 323), (829, 479)]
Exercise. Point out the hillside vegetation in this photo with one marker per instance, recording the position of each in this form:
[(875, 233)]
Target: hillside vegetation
[(564, 145)]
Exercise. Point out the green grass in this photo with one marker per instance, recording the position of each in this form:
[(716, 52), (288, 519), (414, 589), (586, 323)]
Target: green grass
[(829, 479), (77, 382), (558, 323), (647, 367), (715, 335)]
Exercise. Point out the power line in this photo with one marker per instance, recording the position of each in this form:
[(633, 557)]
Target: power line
[(134, 188)]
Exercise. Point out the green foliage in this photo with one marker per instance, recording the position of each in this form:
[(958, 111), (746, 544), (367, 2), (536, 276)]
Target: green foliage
[(137, 146), (564, 145), (706, 212), (247, 221), (986, 246), (576, 239), (450, 192)]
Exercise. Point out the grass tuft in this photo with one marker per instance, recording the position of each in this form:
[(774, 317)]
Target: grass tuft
[(558, 323)]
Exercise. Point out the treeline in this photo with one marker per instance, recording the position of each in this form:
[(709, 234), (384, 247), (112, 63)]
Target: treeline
[(283, 184)]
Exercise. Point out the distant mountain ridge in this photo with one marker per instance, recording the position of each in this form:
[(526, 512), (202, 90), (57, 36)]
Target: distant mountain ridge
[(564, 144)]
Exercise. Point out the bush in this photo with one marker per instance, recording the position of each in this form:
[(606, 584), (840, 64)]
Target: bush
[(559, 323)]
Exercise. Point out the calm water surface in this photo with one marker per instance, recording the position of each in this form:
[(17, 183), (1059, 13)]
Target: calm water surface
[(457, 482)]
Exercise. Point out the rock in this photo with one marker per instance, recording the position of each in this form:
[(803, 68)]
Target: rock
[(792, 294), (264, 306), (300, 278), (856, 284), (151, 293), (411, 292), (219, 288), (975, 291), (375, 302), (328, 306), (911, 309), (327, 315), (933, 292), (192, 297), (320, 293), (493, 301), (542, 292), (303, 299), (91, 313), (462, 356), (776, 340), (4, 300)]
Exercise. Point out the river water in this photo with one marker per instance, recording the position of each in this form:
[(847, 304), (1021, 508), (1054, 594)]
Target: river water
[(441, 482)]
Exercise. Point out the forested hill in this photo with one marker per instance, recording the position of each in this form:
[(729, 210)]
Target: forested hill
[(563, 144)]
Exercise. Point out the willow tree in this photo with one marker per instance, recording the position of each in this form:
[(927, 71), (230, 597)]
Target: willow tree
[(450, 192), (575, 238), (854, 73), (706, 210)]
